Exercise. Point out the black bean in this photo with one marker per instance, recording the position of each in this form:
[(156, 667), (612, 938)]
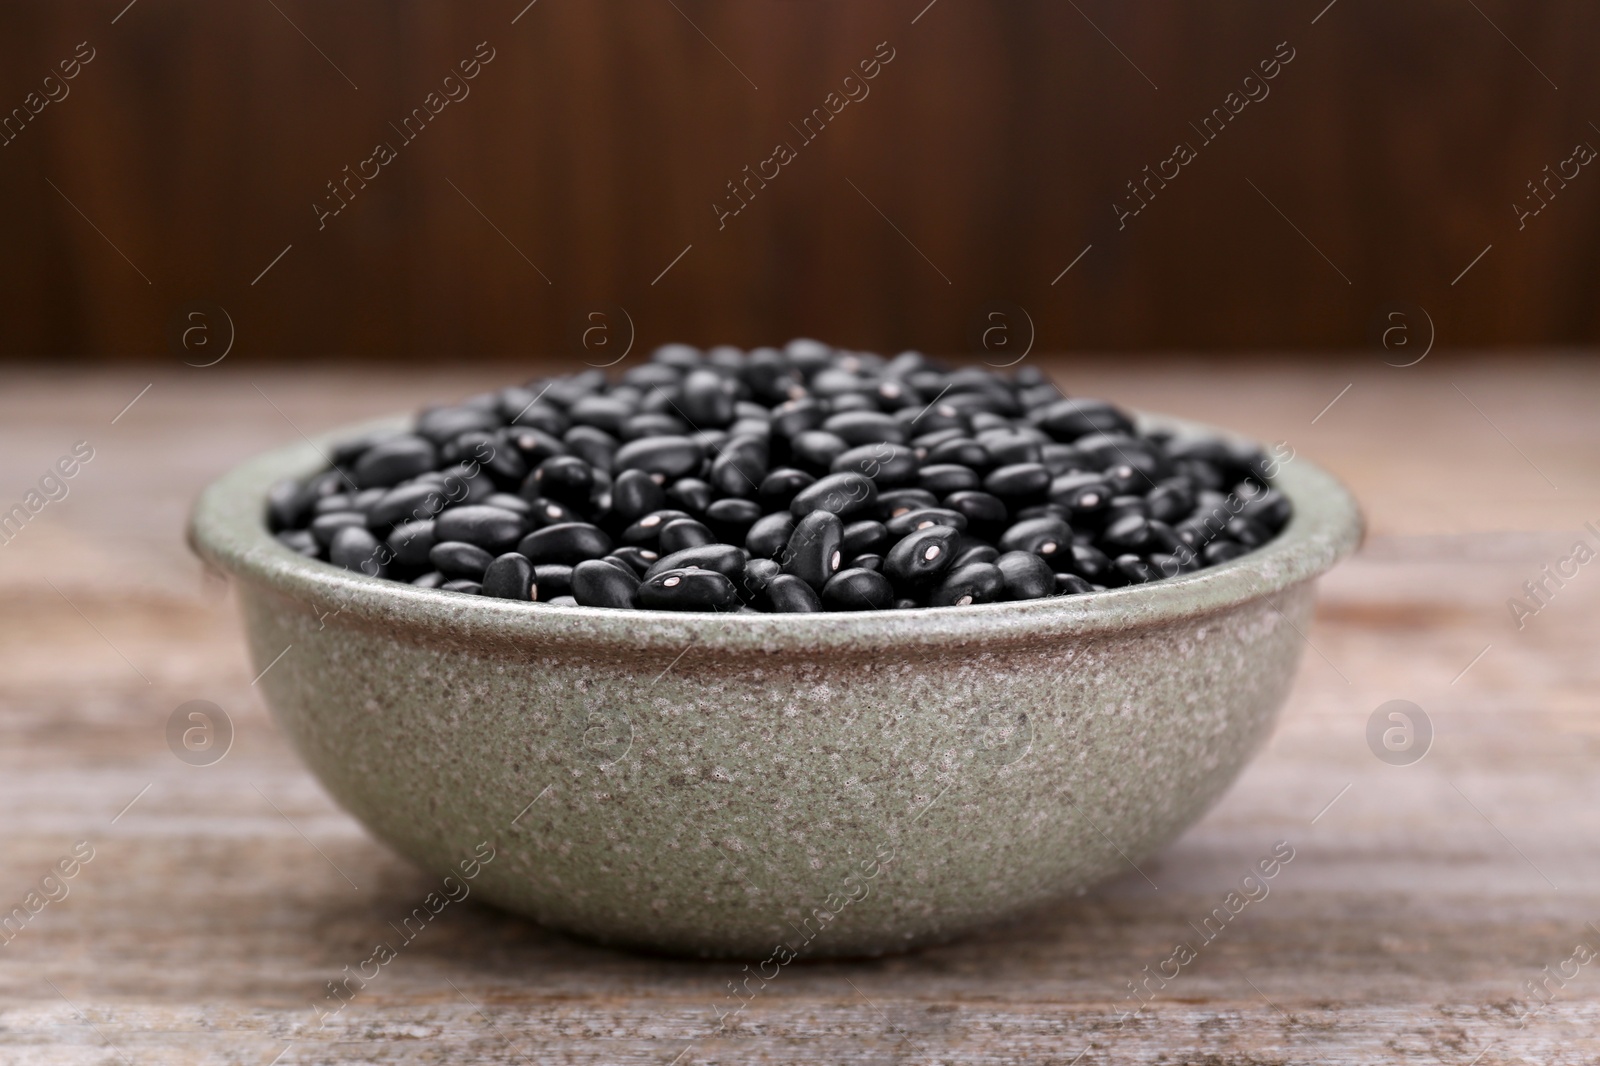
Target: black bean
[(395, 460), (647, 529), (730, 518), (596, 583), (922, 518), (535, 445), (1247, 532), (510, 577), (794, 417), (490, 528), (353, 548), (1133, 569), (983, 511), (1047, 537), (1222, 551), (942, 479), (688, 590), (410, 542), (757, 575), (458, 559), (858, 589), (725, 559), (1010, 446), (770, 534), (813, 552), (779, 488), (1027, 576), (1084, 494), (921, 556), (740, 466), (604, 412), (431, 580), (463, 585), (1128, 534), (683, 533), (816, 449), (300, 540), (565, 542), (1086, 561), (959, 451), (672, 457), (790, 595), (324, 526), (865, 427), (690, 494), (969, 584), (635, 494), (840, 494), (898, 501), (863, 537), (564, 478), (507, 502), (1072, 585), (443, 424), (707, 400), (1125, 478), (594, 446), (1067, 420), (975, 553), (1018, 481), (634, 557)]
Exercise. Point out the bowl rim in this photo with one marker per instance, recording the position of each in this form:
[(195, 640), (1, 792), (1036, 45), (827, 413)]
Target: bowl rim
[(227, 531)]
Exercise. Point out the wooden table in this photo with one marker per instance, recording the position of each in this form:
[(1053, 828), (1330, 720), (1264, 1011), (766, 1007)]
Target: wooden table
[(1421, 901)]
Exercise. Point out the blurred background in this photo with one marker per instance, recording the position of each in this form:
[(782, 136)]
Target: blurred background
[(404, 181)]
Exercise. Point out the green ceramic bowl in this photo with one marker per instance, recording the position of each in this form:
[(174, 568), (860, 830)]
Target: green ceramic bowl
[(753, 785)]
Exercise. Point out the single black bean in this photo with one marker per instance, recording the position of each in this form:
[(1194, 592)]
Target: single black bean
[(730, 518), (790, 595), (1072, 585), (510, 577), (395, 460), (899, 501), (757, 575), (779, 488), (635, 494), (1009, 446), (593, 445), (816, 449), (690, 494), (670, 456), (708, 399), (890, 466), (813, 552), (973, 583), (324, 526), (688, 590), (596, 583), (683, 533), (858, 589), (866, 561), (840, 494), (1133, 569), (959, 451), (922, 518), (1027, 576), (462, 585), (1222, 551), (1047, 537), (725, 559), (431, 580), (865, 427), (975, 553), (1067, 420), (942, 479), (1027, 482), (864, 537), (740, 466), (647, 529), (410, 542), (770, 534), (922, 556), (634, 557), (793, 417), (301, 541), (490, 528), (443, 424), (1128, 534), (1247, 532), (984, 511), (564, 478), (1125, 478), (353, 548), (566, 542), (458, 559)]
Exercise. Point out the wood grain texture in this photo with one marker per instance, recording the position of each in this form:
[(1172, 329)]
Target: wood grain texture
[(1418, 904), (988, 155)]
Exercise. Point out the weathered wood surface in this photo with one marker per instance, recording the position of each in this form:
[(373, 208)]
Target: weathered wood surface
[(1416, 909)]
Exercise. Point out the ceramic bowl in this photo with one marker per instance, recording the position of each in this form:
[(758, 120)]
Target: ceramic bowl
[(750, 785)]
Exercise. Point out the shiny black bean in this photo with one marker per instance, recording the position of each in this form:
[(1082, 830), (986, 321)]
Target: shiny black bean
[(730, 518), (507, 502), (865, 427), (1125, 478), (443, 424), (984, 511), (634, 557), (395, 460), (960, 451), (564, 478), (324, 526), (1134, 570), (301, 541), (1085, 560), (779, 488), (1072, 585), (688, 590), (410, 542), (431, 580), (551, 580), (770, 534), (725, 559), (569, 543), (866, 561), (353, 548), (788, 594), (1046, 537), (858, 589), (757, 575), (922, 518), (671, 457), (1027, 576), (549, 513), (683, 533), (596, 583), (942, 479), (1128, 534), (813, 552), (973, 583), (708, 399), (1222, 551), (1067, 420), (898, 501), (922, 556), (890, 466), (740, 466), (1008, 447), (793, 417), (845, 495), (647, 529), (462, 585), (635, 494), (1247, 532), (816, 449), (690, 494), (1027, 482), (1084, 494), (594, 446), (510, 577), (863, 537), (975, 553), (490, 528), (458, 559)]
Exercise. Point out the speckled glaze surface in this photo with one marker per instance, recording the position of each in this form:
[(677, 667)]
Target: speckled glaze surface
[(738, 785)]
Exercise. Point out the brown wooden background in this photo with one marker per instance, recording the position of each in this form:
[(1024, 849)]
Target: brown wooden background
[(597, 140)]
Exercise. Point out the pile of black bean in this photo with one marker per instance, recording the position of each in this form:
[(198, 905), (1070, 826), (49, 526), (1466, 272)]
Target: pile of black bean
[(780, 480)]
